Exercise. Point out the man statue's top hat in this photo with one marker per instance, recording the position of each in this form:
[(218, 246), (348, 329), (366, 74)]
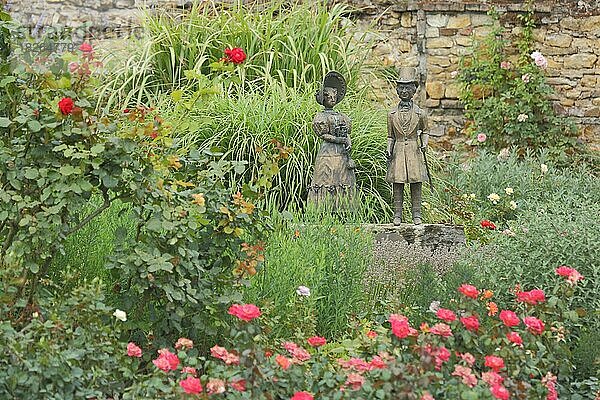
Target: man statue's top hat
[(408, 75)]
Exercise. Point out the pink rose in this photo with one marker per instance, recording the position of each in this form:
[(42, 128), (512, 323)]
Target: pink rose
[(515, 338), (355, 381), (215, 386), (86, 48), (184, 343), (509, 318), (471, 323), (494, 362), (302, 396), (492, 378), (73, 66), (482, 137), (532, 297), (191, 385), (238, 384), (400, 326), (133, 350), (316, 341), (534, 325), (446, 315), (505, 65), (500, 392), (166, 361), (441, 330), (245, 312), (539, 59), (189, 370), (469, 291)]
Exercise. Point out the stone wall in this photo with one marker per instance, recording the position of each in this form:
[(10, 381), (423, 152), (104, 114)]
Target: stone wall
[(431, 35)]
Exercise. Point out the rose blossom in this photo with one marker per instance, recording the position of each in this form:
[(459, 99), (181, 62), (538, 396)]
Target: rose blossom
[(493, 197), (238, 384), (539, 59), (191, 385), (73, 66), (400, 326), (302, 396), (534, 325), (509, 318), (543, 168), (486, 224), (215, 386), (446, 315), (466, 374), (441, 329), (316, 341), (442, 355), (532, 297), (468, 358), (481, 137), (469, 291), (505, 65), (133, 350), (494, 362), (245, 312), (283, 361), (492, 378), (500, 392), (355, 381), (515, 338), (509, 191), (522, 117), (471, 323), (222, 354), (66, 106), (564, 270), (189, 370), (235, 55), (371, 334), (86, 48), (184, 343), (427, 396), (574, 277), (166, 360)]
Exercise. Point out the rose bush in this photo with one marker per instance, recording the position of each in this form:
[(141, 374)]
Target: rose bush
[(486, 355)]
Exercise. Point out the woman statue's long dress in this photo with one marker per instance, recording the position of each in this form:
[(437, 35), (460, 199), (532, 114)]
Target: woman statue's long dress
[(333, 176)]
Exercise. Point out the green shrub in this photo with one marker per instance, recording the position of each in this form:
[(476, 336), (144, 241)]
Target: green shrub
[(65, 348), (507, 98)]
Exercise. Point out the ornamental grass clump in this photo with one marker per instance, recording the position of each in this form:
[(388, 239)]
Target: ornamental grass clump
[(469, 350)]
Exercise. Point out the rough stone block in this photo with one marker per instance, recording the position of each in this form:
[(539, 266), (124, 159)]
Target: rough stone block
[(448, 31), (430, 236), (589, 81), (432, 32), (466, 41), (480, 20), (582, 60), (435, 90), (432, 103), (452, 91), (441, 61), (440, 42), (437, 20), (406, 20), (451, 104), (459, 21), (558, 40)]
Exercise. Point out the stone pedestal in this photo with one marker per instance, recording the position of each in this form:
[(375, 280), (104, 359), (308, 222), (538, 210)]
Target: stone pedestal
[(430, 236)]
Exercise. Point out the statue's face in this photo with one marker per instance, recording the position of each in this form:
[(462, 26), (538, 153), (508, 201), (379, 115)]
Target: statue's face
[(329, 97), (406, 91)]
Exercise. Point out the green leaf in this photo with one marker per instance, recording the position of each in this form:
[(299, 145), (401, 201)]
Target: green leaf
[(31, 173), (67, 170), (34, 125), (4, 122), (97, 149), (7, 80)]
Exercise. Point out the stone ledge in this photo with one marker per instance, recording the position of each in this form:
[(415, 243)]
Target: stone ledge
[(426, 235)]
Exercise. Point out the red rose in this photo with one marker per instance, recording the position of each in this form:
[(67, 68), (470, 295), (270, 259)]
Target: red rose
[(534, 325), (487, 224), (532, 297), (302, 396), (191, 385), (238, 384), (446, 315), (166, 360), (316, 341), (515, 338), (471, 323), (245, 312), (235, 55), (66, 105), (86, 48), (494, 362), (509, 318), (469, 291)]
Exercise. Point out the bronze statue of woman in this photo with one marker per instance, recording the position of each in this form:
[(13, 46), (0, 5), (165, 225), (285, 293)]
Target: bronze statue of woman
[(334, 169)]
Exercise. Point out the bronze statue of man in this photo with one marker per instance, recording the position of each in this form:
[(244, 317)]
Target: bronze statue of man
[(407, 141), (333, 176)]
